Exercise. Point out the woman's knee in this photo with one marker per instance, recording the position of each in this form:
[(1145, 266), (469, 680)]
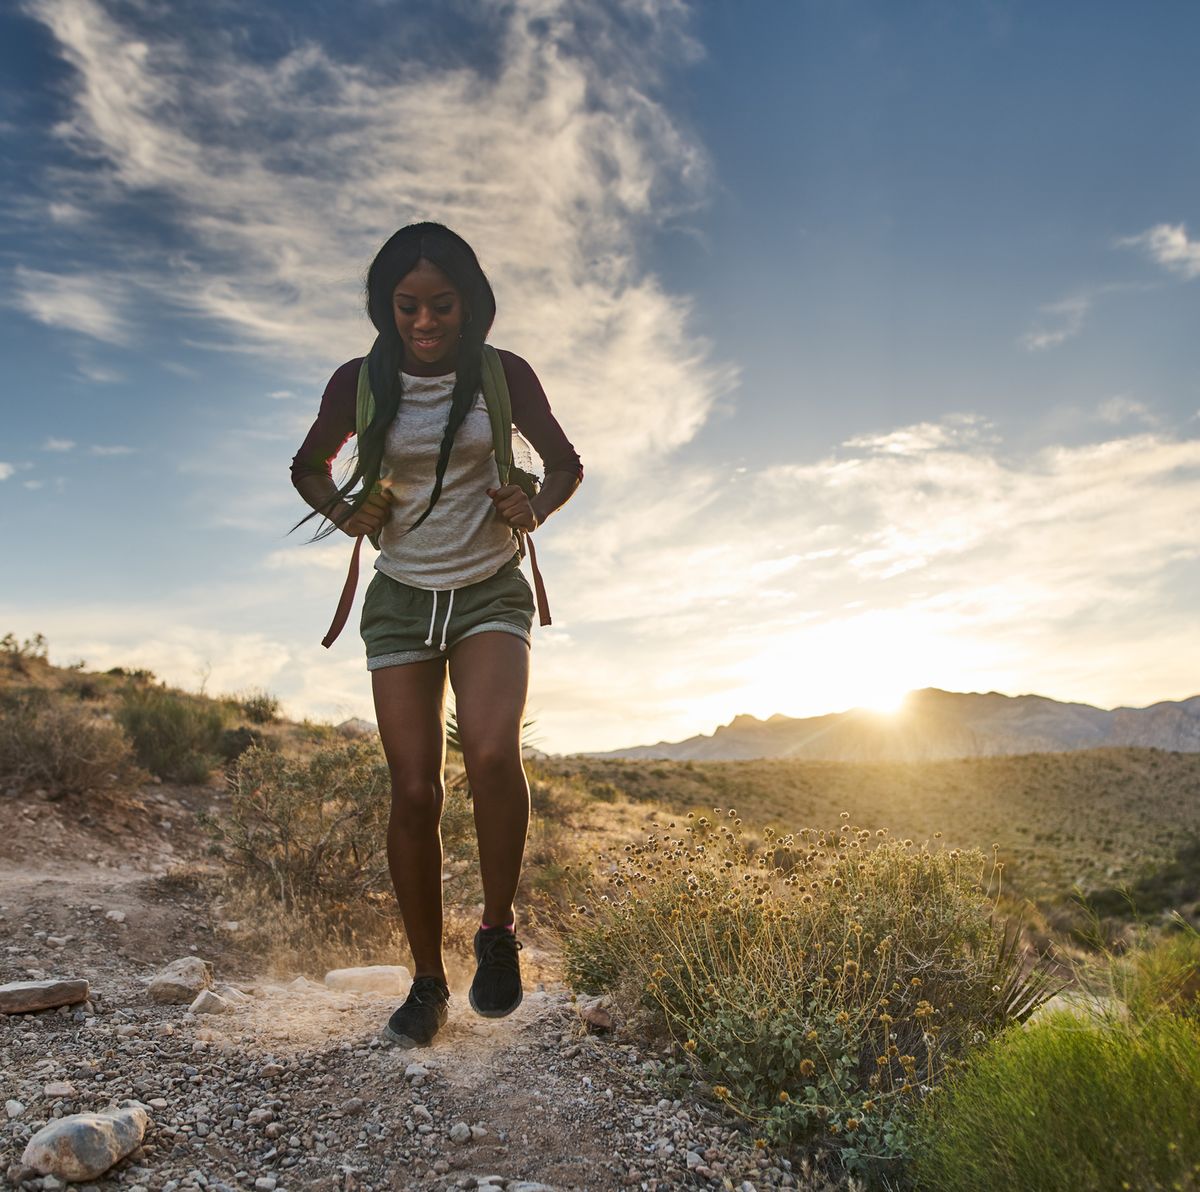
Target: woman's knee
[(417, 801), (493, 760)]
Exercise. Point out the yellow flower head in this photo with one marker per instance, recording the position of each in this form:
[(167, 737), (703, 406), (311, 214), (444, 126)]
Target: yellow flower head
[(807, 1067), (783, 1097)]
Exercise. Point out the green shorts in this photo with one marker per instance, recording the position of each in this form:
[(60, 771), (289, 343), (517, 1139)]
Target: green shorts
[(403, 624)]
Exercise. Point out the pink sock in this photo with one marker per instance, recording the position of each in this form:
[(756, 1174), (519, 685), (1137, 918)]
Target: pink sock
[(507, 926)]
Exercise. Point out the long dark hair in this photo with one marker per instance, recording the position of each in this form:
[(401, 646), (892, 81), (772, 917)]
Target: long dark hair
[(398, 257)]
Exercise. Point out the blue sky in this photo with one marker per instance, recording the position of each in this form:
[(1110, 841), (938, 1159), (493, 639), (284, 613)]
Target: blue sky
[(874, 325)]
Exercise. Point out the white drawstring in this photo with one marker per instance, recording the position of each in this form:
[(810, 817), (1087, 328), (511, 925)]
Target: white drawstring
[(446, 622), (433, 618)]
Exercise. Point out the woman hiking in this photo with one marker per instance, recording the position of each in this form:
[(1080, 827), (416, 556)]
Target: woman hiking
[(447, 598)]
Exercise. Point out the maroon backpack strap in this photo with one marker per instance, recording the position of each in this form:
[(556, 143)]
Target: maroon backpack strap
[(543, 605), (347, 599)]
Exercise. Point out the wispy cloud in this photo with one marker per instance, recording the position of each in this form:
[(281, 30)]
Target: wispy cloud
[(6, 470), (58, 445), (1169, 246), (1118, 409), (551, 166), (953, 561), (1061, 321), (116, 449), (83, 304)]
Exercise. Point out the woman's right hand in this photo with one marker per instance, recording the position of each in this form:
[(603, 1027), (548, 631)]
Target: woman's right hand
[(371, 516)]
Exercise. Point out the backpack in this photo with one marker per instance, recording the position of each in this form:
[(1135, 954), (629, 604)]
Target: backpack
[(506, 441)]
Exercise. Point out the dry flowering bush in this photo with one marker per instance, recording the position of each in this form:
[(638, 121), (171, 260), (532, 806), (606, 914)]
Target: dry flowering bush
[(820, 982)]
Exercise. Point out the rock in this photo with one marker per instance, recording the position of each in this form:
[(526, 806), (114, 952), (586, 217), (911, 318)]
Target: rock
[(478, 1132), (415, 1072), (85, 1145), (58, 941), (14, 1109), (233, 995), (269, 1070), (529, 1186), (259, 1117), (27, 997), (265, 1183), (694, 1160), (356, 727), (209, 1002), (59, 1088), (115, 916), (597, 1020), (460, 1132), (180, 982), (376, 978), (1085, 1006), (354, 1105)]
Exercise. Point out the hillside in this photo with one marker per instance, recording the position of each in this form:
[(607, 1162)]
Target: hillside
[(935, 724), (1093, 818)]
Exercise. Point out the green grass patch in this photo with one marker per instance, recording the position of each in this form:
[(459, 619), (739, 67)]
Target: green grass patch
[(1068, 1104)]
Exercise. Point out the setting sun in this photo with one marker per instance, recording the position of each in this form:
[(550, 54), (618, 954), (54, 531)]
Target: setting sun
[(867, 660)]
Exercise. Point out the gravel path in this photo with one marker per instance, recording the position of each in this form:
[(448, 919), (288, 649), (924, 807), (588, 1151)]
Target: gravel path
[(294, 1090)]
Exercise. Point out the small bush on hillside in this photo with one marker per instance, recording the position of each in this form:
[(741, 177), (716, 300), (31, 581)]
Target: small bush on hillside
[(259, 707), (63, 748), (820, 985), (235, 741), (18, 654), (1067, 1104), (174, 736)]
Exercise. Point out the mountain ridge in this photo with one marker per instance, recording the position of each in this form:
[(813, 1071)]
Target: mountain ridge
[(933, 724)]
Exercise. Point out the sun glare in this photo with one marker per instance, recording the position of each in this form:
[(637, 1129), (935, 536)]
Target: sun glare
[(871, 660)]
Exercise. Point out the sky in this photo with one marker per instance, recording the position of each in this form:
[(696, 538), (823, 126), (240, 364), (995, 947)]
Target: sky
[(875, 326)]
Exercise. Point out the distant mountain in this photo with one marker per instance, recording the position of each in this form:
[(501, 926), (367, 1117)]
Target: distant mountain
[(935, 724)]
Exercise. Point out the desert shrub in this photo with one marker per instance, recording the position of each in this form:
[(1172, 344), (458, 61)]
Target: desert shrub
[(819, 985), (309, 835), (174, 736), (18, 654), (1067, 1104), (63, 748), (259, 707), (234, 742)]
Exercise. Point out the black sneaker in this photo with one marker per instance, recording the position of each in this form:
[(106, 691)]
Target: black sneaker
[(416, 1022), (496, 990)]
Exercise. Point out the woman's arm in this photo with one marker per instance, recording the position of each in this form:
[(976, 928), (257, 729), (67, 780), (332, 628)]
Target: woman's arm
[(312, 466)]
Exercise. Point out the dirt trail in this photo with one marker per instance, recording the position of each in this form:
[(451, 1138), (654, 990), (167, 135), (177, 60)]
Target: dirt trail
[(293, 1089)]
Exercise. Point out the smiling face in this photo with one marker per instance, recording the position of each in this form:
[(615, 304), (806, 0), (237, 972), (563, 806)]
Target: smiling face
[(429, 315)]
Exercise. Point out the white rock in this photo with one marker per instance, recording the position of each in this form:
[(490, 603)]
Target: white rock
[(478, 1132), (85, 1145), (208, 1002), (59, 1088), (14, 1109), (265, 1183), (115, 916), (376, 978), (415, 1071), (460, 1132), (180, 982)]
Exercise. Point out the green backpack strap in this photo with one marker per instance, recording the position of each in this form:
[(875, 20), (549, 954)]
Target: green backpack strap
[(499, 407)]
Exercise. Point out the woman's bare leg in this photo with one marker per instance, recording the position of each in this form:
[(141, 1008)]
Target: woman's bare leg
[(410, 706), (490, 675)]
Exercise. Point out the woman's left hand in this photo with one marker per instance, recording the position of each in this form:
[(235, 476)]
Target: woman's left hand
[(514, 507)]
